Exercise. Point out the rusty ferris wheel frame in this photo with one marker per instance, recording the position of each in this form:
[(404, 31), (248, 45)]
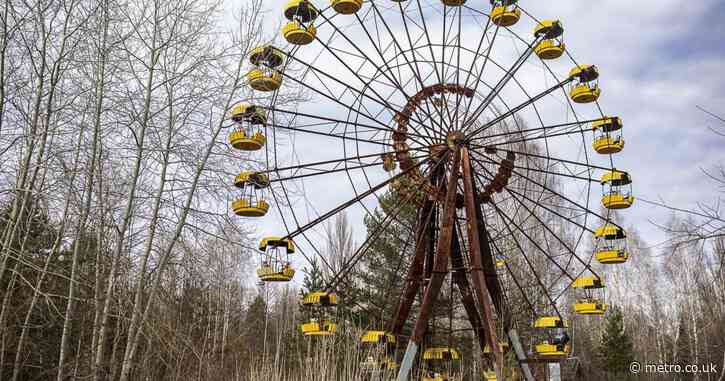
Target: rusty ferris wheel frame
[(454, 137)]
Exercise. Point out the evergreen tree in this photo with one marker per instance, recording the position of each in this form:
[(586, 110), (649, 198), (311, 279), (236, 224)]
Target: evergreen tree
[(313, 278), (382, 269), (254, 324), (615, 348)]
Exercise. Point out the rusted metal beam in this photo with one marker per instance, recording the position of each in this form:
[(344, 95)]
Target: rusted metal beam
[(412, 280), (461, 281), (440, 269), (477, 275)]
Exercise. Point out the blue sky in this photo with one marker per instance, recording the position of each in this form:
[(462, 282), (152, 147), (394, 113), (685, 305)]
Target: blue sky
[(658, 61)]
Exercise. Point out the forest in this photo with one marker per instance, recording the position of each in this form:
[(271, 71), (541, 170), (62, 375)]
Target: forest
[(121, 261)]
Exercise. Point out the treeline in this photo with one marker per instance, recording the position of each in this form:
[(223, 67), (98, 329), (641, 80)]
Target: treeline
[(118, 259)]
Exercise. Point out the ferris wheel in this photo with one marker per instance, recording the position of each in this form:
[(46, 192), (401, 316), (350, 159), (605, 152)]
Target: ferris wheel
[(475, 114)]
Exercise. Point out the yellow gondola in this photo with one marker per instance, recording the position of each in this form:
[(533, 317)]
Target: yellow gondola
[(300, 29), (617, 190), (553, 344), (550, 322), (265, 76), (379, 349), (320, 299), (318, 328), (588, 283), (316, 306), (552, 46), (605, 142), (505, 12), (439, 364), (611, 244), (251, 203), (585, 87), (590, 306), (346, 7), (247, 134), (275, 266)]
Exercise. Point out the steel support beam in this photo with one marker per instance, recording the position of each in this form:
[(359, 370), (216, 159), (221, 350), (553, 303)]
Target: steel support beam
[(440, 269), (477, 275), (412, 280), (520, 355), (461, 281)]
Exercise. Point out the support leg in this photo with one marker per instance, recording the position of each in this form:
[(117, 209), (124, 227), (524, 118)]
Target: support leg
[(414, 272), (464, 288), (477, 275), (440, 269)]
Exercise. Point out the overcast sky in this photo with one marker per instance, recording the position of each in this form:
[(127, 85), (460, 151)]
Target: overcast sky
[(658, 60)]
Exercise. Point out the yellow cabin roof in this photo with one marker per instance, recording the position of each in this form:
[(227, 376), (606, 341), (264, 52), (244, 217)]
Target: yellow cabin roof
[(610, 231), (550, 322), (321, 298), (588, 282), (608, 124), (585, 73), (318, 328), (277, 242), (378, 337), (241, 109), (250, 113), (268, 54), (441, 354), (304, 10), (258, 180), (549, 28), (616, 178)]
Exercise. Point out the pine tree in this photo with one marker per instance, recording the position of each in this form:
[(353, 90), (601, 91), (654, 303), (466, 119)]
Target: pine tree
[(313, 278), (383, 268), (615, 348), (254, 324)]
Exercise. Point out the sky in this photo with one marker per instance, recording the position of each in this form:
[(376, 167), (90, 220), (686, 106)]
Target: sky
[(659, 61)]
